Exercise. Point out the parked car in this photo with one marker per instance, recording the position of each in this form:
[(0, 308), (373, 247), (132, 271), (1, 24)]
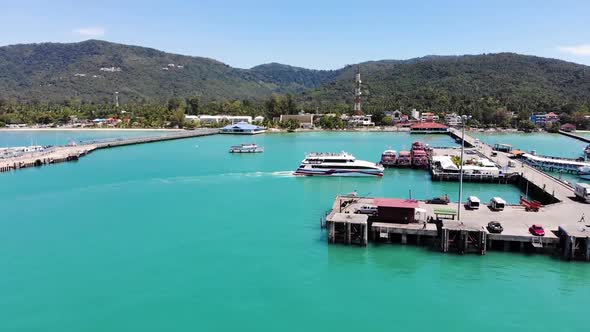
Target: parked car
[(367, 209), (537, 230), (495, 227), (439, 200)]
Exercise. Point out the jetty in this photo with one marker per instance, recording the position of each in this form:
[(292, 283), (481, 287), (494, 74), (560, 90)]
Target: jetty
[(415, 222), (58, 154), (572, 135)]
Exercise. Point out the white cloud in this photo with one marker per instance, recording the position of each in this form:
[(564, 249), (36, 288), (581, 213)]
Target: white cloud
[(90, 32), (579, 50)]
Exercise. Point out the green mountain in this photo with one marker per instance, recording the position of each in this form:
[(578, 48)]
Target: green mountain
[(93, 70), (54, 71), (442, 81)]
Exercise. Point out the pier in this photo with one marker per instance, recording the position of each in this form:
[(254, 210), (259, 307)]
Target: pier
[(413, 222), (565, 235), (60, 154), (572, 135)]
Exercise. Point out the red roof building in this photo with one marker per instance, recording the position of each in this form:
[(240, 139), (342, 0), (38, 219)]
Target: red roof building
[(568, 127), (429, 128), (395, 210)]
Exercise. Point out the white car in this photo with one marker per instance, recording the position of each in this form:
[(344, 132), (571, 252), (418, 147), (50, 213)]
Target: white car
[(367, 209)]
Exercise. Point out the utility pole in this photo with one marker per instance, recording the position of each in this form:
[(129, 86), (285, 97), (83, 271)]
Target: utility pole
[(461, 168)]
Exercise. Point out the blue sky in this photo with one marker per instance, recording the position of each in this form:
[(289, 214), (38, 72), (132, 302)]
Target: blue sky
[(313, 34)]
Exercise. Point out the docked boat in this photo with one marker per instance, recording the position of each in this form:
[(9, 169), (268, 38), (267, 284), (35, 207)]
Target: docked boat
[(419, 159), (246, 148), (404, 159), (389, 158), (419, 156), (337, 164), (556, 164)]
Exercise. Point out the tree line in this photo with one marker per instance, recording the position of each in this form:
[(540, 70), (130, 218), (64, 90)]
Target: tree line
[(484, 112)]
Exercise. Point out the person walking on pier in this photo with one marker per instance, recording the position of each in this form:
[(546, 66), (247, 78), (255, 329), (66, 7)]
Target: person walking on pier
[(582, 219)]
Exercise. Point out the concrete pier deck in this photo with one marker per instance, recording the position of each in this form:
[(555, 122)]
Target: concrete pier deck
[(69, 153), (572, 135), (552, 186), (515, 220)]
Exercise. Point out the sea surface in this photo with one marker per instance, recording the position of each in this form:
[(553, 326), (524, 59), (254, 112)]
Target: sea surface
[(554, 145), (183, 236), (23, 137)]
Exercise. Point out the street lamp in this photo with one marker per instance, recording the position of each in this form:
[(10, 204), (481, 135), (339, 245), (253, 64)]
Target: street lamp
[(463, 119)]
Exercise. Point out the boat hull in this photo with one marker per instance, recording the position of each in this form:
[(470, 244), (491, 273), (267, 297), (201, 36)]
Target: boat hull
[(340, 173)]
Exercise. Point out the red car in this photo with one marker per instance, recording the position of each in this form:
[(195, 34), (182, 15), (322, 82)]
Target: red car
[(537, 230)]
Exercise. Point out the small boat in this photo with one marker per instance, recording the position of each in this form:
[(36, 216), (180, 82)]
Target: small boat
[(389, 158), (587, 151), (246, 148)]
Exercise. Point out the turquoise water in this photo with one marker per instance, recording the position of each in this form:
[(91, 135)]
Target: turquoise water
[(182, 235), (23, 137), (546, 144)]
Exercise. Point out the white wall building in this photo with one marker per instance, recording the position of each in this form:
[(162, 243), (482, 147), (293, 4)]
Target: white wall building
[(453, 119), (211, 119), (361, 120)]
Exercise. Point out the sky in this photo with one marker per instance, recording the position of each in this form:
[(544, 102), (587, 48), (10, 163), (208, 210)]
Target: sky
[(311, 34)]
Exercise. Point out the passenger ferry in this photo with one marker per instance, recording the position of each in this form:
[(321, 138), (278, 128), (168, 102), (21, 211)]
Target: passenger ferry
[(337, 164), (389, 158), (404, 159), (419, 156), (246, 148), (555, 164)]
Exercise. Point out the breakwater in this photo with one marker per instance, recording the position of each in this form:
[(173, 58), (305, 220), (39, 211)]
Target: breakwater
[(60, 154)]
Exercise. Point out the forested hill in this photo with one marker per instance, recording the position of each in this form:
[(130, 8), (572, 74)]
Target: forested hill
[(443, 82), (93, 70), (54, 71)]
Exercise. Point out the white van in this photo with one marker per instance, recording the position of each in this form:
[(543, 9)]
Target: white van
[(497, 204), (583, 192), (473, 203)]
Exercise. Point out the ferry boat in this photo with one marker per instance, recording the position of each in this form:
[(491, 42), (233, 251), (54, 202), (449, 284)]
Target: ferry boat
[(389, 158), (584, 172), (337, 164), (419, 156), (555, 164), (404, 159), (246, 148), (419, 159)]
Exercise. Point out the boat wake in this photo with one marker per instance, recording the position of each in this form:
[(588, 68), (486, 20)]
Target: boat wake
[(217, 177)]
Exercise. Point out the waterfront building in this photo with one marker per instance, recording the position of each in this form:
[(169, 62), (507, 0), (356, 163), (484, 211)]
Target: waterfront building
[(215, 119), (428, 117), (453, 119), (242, 128), (304, 120), (544, 119), (568, 127), (429, 128), (361, 120)]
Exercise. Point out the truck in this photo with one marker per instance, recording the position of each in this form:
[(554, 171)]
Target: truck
[(583, 192)]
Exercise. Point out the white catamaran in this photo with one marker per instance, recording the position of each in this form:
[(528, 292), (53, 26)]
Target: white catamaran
[(337, 164)]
